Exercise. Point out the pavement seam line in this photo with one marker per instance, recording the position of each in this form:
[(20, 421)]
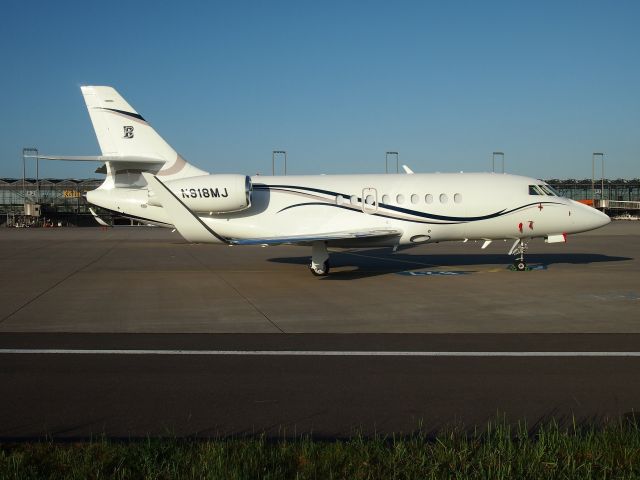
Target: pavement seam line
[(274, 324), (64, 279)]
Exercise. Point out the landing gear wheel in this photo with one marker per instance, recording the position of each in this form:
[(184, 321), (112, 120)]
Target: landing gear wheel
[(319, 265), (322, 271), (519, 264)]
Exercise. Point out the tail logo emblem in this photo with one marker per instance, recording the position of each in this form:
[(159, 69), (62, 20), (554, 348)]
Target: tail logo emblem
[(128, 131)]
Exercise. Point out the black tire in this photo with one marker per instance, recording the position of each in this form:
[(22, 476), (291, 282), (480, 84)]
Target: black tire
[(520, 266)]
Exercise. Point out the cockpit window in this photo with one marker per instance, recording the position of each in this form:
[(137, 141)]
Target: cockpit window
[(547, 190), (555, 192), (542, 189), (535, 190)]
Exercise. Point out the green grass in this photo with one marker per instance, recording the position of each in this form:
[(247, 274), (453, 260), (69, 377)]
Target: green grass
[(495, 452)]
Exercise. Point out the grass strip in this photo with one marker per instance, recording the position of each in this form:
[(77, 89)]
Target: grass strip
[(499, 451)]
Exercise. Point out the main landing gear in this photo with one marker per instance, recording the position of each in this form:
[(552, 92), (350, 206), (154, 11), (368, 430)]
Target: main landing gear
[(518, 249), (319, 265)]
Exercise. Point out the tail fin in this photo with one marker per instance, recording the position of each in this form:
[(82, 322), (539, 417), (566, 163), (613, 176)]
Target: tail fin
[(123, 132)]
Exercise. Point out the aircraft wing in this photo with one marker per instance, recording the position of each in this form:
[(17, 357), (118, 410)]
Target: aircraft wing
[(304, 239), (192, 228), (100, 221)]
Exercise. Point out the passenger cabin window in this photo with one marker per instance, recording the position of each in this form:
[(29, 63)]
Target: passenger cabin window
[(385, 198), (400, 199)]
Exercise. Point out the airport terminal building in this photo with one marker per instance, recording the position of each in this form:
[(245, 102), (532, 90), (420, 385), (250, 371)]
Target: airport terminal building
[(53, 202), (49, 201)]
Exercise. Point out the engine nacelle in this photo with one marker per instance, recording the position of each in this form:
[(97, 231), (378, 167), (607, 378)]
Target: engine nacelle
[(211, 193)]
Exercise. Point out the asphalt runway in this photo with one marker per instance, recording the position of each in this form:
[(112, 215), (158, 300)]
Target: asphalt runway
[(330, 386), (132, 332)]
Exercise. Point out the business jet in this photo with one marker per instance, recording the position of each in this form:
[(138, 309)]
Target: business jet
[(148, 180)]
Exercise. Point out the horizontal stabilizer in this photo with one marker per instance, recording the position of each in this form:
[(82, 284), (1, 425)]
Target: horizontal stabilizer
[(99, 158)]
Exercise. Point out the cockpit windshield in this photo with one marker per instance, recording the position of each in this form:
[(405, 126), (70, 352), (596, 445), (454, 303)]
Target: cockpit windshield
[(543, 189), (547, 190), (555, 192)]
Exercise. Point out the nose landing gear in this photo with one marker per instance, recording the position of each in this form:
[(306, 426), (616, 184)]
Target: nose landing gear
[(518, 249), (520, 265)]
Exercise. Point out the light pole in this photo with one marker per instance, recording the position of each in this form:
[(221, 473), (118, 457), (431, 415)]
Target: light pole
[(593, 176), (386, 161), (493, 160), (30, 152), (273, 161)]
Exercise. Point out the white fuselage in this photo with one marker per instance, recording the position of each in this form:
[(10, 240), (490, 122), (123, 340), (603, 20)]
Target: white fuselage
[(148, 180), (424, 207)]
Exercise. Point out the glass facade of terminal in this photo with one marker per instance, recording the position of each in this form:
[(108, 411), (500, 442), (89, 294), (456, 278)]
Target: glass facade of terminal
[(61, 201), (616, 190)]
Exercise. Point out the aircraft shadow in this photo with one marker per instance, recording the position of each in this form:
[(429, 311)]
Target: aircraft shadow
[(381, 261)]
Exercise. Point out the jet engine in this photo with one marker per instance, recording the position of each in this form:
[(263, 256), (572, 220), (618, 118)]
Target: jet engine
[(221, 193)]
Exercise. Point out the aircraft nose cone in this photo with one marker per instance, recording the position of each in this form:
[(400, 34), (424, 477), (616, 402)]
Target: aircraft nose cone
[(602, 219), (586, 218)]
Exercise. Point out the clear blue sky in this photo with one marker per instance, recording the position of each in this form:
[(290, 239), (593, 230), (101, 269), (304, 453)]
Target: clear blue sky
[(336, 84)]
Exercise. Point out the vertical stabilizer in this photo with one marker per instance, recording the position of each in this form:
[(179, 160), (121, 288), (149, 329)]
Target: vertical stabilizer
[(123, 132)]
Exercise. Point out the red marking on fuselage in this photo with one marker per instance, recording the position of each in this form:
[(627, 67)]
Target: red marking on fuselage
[(520, 227)]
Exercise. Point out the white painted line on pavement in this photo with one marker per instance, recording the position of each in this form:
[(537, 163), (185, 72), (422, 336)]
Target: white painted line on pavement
[(309, 353)]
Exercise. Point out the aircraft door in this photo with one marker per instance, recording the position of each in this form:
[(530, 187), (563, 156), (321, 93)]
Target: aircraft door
[(369, 200)]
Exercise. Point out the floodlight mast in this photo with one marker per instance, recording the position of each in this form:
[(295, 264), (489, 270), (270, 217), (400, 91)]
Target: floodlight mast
[(273, 161), (593, 176), (493, 161), (30, 152), (386, 161)]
